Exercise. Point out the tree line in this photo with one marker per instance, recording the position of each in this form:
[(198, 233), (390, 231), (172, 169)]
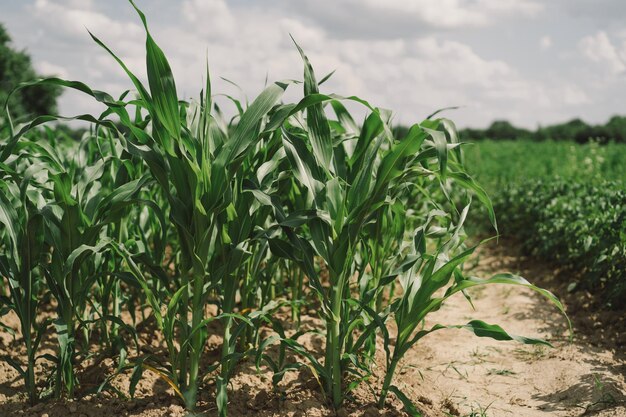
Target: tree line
[(614, 130)]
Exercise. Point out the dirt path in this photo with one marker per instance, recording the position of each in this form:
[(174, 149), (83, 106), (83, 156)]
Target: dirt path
[(449, 373), (509, 379)]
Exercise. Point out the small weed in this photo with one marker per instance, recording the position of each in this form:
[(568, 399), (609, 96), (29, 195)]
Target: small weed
[(503, 372), (478, 356), (605, 399), (533, 354), (480, 412)]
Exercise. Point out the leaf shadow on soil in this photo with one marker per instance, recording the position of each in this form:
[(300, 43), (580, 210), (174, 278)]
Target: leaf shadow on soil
[(593, 322), (595, 330), (601, 392)]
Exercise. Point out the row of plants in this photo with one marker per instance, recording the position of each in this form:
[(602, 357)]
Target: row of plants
[(564, 202), (169, 211), (580, 225), (498, 163)]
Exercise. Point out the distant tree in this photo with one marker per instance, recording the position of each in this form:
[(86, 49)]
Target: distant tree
[(470, 134), (16, 67), (502, 129), (575, 129), (616, 128), (540, 134)]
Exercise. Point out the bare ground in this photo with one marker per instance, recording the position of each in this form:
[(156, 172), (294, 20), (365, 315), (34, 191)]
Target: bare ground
[(449, 373)]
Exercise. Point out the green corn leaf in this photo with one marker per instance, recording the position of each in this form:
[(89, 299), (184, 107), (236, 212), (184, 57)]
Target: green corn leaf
[(135, 377), (162, 87), (304, 166), (467, 182), (512, 279), (408, 405), (441, 145), (493, 331), (316, 119), (15, 365)]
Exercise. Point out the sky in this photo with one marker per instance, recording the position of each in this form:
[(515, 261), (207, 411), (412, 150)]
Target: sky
[(532, 62)]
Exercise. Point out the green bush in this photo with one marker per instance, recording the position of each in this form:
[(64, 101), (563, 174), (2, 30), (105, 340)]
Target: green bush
[(580, 225)]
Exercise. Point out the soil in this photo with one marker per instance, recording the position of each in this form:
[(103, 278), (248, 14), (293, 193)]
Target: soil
[(449, 373)]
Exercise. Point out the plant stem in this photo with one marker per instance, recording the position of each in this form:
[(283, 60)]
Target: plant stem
[(197, 340), (387, 382), (30, 367), (228, 305), (184, 316), (222, 382), (117, 295), (333, 350)]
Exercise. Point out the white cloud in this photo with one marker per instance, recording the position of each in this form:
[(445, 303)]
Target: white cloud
[(498, 9), (419, 61), (452, 13), (69, 26), (574, 95), (377, 19), (600, 49), (209, 17), (412, 76), (73, 21), (443, 13), (49, 69), (63, 25), (545, 42)]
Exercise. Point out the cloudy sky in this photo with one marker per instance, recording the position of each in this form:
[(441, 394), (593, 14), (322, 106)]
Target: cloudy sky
[(529, 61)]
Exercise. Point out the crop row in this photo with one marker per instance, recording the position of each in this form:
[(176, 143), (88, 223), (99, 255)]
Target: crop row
[(580, 225), (498, 163), (563, 202)]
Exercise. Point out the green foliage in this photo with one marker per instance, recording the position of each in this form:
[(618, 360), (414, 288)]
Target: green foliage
[(15, 68), (164, 208), (580, 226), (498, 130), (563, 201), (23, 238), (498, 163)]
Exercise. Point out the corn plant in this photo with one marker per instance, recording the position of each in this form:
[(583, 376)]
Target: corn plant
[(20, 264), (342, 196), (196, 165), (430, 273), (77, 206), (352, 180)]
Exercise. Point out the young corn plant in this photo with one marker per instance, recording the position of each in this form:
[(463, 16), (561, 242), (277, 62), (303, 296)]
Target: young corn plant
[(378, 257), (199, 169), (77, 206), (22, 241), (430, 265), (434, 275), (347, 178)]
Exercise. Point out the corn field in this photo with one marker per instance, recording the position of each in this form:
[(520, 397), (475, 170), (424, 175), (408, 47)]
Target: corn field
[(171, 212)]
